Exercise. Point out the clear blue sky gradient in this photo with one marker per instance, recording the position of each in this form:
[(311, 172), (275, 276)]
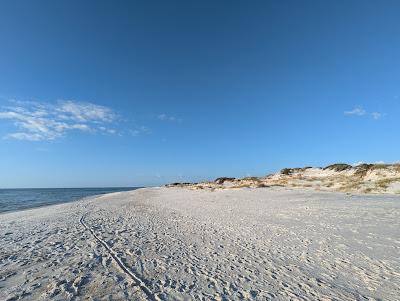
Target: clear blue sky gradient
[(246, 87)]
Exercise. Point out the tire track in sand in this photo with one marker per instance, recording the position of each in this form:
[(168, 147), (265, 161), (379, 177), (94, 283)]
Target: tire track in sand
[(136, 278)]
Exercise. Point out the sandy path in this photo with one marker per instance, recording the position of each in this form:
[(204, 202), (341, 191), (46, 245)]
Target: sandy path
[(176, 244)]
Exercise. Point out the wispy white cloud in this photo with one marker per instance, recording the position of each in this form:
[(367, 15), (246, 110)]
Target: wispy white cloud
[(361, 162), (165, 117), (376, 115), (358, 111), (84, 112), (106, 130), (140, 130), (44, 121)]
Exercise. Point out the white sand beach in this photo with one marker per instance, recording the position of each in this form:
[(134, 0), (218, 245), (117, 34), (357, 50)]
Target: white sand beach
[(180, 244)]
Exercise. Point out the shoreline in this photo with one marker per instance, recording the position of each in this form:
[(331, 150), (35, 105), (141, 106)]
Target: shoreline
[(174, 243), (53, 203)]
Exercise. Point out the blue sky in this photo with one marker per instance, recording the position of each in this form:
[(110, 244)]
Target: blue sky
[(125, 93)]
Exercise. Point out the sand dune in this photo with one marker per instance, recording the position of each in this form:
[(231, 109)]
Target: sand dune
[(182, 244), (363, 178)]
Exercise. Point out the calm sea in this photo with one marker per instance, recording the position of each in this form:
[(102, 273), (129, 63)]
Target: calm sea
[(20, 199)]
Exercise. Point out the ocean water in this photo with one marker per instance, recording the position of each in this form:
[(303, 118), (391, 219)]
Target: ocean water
[(20, 199)]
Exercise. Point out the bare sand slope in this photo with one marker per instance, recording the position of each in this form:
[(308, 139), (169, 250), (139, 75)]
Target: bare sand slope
[(181, 244)]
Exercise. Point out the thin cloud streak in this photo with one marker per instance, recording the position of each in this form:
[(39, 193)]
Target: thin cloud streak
[(376, 115), (359, 111), (140, 130), (356, 111), (165, 117)]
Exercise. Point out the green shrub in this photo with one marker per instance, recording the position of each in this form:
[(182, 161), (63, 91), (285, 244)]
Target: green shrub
[(338, 167), (222, 180), (286, 171)]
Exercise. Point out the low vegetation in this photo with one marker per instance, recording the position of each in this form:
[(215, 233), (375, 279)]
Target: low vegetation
[(338, 167), (256, 179), (287, 171), (385, 183), (222, 180)]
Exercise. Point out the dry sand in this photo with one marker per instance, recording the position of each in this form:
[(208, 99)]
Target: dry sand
[(181, 244)]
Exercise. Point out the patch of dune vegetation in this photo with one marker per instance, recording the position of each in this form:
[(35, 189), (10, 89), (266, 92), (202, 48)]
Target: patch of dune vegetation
[(338, 167), (241, 185), (350, 186), (385, 183)]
